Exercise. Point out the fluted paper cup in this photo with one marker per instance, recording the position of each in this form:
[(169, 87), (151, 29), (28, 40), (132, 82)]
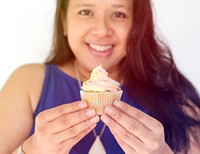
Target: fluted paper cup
[(99, 100)]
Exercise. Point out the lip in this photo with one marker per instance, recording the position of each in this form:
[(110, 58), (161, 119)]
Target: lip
[(105, 53)]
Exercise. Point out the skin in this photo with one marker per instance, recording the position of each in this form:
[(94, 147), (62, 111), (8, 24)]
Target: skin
[(135, 131), (18, 99), (104, 24), (58, 129)]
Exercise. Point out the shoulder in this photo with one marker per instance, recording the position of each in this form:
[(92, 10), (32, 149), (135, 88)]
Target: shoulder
[(26, 80), (29, 69), (27, 75), (18, 100)]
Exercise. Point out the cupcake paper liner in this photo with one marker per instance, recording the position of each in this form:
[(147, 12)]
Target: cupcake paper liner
[(99, 100)]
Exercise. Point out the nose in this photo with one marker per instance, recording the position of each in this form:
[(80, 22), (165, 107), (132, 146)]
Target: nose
[(102, 27)]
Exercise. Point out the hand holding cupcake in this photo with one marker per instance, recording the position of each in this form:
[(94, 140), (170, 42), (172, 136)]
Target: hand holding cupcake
[(100, 90)]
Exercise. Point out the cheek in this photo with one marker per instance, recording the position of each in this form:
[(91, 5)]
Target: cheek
[(125, 35), (76, 32), (72, 34), (123, 32), (123, 40)]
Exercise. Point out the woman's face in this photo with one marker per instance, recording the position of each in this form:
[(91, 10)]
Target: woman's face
[(97, 31)]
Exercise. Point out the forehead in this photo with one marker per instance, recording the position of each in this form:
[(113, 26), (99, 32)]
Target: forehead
[(114, 3)]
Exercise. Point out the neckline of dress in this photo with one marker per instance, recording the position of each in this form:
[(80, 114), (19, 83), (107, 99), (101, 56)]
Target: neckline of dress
[(80, 85)]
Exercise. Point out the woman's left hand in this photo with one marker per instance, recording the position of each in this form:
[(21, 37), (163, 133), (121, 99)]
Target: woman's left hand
[(135, 131)]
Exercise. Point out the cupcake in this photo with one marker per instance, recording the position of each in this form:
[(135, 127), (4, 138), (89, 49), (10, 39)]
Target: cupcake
[(100, 90)]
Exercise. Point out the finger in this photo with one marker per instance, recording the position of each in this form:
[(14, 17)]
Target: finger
[(71, 142), (130, 124), (122, 133), (51, 114), (126, 148), (148, 121), (69, 120), (75, 130)]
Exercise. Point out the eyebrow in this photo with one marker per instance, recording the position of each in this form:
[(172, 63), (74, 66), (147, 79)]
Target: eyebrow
[(114, 5), (122, 6), (81, 5), (119, 5)]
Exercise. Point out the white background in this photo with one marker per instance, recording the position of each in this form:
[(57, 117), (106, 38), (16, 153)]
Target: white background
[(26, 33)]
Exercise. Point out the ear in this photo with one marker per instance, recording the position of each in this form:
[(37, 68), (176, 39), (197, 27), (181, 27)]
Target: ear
[(64, 22)]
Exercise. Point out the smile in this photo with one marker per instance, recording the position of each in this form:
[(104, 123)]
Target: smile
[(100, 48)]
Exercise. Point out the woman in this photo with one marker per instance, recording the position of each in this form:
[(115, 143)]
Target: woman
[(159, 111)]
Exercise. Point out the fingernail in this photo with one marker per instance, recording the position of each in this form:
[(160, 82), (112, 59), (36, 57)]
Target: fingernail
[(90, 112), (92, 127), (110, 110), (118, 104), (105, 119), (82, 104), (94, 120)]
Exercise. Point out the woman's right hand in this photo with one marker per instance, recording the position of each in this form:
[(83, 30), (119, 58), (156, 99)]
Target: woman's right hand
[(58, 129)]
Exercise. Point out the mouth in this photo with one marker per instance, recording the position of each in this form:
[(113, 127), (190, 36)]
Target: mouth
[(100, 48)]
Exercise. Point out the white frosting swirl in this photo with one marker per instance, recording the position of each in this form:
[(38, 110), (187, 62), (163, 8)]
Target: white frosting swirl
[(99, 81)]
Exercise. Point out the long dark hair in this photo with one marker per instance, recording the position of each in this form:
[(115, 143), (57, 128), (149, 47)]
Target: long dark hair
[(150, 76), (61, 51), (154, 82)]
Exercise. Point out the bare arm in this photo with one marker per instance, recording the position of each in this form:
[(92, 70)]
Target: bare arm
[(57, 129), (16, 101)]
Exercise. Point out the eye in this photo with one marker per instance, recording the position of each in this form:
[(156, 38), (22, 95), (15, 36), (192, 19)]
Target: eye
[(85, 12), (119, 15)]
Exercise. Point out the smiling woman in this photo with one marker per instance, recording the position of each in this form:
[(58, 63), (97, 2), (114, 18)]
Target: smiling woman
[(104, 27), (159, 109)]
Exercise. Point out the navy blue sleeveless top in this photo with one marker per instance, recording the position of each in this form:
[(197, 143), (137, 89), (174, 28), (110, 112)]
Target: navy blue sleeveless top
[(60, 88)]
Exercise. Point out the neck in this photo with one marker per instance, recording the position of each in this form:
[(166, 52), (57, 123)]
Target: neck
[(82, 73)]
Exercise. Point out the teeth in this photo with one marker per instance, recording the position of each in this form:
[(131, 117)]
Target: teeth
[(100, 48)]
